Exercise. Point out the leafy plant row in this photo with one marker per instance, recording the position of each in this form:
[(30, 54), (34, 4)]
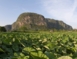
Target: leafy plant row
[(18, 45)]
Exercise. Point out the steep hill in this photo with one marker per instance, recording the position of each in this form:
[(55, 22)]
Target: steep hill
[(56, 24), (29, 21), (33, 21)]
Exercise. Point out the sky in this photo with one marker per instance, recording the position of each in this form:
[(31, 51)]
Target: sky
[(64, 10)]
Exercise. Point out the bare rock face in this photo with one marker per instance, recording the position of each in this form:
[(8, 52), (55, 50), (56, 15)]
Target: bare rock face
[(56, 24), (29, 21), (33, 21)]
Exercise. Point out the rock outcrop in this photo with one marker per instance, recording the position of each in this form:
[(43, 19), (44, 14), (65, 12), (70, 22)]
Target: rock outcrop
[(33, 21), (56, 24)]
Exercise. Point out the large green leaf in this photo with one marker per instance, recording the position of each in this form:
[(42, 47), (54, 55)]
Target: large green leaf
[(64, 57), (50, 55)]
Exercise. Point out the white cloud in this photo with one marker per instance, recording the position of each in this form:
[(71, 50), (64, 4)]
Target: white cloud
[(63, 10)]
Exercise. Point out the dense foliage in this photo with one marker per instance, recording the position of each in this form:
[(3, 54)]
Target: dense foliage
[(2, 29), (42, 45)]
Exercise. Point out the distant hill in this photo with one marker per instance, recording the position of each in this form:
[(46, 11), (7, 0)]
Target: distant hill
[(56, 24), (8, 27), (34, 21)]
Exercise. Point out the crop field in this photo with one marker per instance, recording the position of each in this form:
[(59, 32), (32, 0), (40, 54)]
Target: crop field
[(41, 45)]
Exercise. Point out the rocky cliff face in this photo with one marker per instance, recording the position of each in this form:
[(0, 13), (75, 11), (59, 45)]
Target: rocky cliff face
[(33, 21), (29, 21), (56, 24)]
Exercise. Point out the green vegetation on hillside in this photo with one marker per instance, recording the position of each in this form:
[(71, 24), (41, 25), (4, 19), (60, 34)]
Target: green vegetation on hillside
[(41, 45)]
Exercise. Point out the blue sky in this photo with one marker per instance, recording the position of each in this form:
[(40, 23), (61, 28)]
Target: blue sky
[(65, 10)]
